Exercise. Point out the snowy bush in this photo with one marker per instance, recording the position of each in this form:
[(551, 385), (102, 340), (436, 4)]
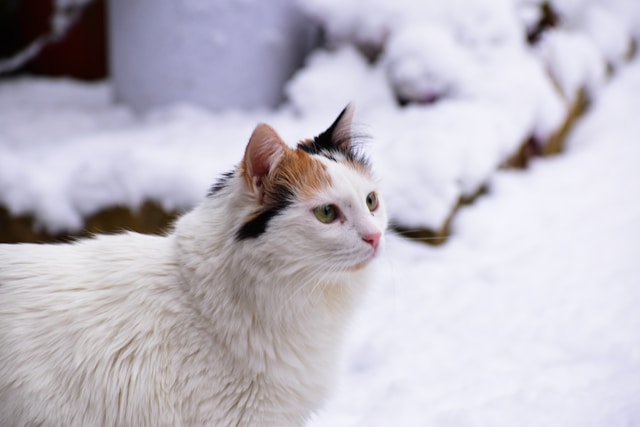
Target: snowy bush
[(478, 89), (449, 90)]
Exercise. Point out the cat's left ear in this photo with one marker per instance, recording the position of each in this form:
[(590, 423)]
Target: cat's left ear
[(338, 135), (264, 151)]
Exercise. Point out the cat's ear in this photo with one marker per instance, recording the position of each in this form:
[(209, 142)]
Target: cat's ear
[(263, 152), (338, 135)]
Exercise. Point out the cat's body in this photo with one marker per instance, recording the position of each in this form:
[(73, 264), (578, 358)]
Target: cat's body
[(234, 318)]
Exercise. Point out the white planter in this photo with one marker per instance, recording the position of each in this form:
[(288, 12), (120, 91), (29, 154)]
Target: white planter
[(222, 54)]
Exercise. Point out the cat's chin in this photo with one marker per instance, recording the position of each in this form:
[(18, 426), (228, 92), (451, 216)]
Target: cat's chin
[(359, 267), (364, 264)]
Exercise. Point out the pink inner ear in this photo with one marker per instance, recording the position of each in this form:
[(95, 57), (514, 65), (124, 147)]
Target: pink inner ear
[(264, 151)]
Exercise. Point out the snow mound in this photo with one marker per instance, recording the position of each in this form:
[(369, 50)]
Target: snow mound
[(449, 90), (476, 89)]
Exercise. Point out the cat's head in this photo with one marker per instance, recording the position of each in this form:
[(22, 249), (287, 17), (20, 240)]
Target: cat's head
[(317, 205)]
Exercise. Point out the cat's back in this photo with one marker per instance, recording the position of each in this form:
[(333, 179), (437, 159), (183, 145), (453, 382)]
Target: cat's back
[(75, 320), (82, 256), (105, 263)]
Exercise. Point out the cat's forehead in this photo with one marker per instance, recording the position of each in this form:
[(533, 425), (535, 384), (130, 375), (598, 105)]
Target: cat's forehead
[(348, 180), (347, 171), (306, 175)]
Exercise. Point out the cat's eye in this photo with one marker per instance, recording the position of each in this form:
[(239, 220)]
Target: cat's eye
[(326, 213), (372, 201)]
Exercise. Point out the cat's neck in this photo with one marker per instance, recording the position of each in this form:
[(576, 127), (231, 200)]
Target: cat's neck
[(254, 304)]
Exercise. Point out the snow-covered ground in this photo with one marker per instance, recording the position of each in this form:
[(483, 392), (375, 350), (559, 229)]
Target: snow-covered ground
[(530, 315)]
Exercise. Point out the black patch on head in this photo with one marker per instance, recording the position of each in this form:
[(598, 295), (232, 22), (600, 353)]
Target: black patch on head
[(331, 145), (328, 142), (258, 225), (221, 183), (279, 200), (320, 147)]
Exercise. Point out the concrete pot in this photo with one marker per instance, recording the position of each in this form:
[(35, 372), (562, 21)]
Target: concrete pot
[(222, 54)]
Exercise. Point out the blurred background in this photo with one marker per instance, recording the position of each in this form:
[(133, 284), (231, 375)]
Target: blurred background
[(504, 134), (517, 74)]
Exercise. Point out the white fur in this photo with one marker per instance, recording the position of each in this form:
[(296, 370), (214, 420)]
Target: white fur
[(190, 329)]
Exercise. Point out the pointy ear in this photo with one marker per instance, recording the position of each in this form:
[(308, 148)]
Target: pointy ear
[(264, 150), (338, 136)]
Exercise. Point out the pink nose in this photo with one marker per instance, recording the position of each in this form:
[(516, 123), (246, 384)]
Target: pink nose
[(373, 239)]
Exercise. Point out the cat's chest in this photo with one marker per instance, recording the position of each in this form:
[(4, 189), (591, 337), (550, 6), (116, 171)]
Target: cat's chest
[(273, 376)]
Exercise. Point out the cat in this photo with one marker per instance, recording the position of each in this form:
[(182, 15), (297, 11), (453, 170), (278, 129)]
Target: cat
[(234, 318)]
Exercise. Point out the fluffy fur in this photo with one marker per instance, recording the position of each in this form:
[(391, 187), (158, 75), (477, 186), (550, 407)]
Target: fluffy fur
[(234, 318)]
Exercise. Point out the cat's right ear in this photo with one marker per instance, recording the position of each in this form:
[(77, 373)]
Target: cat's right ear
[(263, 152)]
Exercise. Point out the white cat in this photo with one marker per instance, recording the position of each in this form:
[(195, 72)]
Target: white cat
[(233, 319)]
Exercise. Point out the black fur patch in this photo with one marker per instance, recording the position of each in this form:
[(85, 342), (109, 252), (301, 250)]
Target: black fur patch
[(221, 183), (322, 148), (258, 226), (328, 144)]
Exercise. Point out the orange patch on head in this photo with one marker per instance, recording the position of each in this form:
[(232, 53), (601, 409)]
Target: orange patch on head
[(299, 173)]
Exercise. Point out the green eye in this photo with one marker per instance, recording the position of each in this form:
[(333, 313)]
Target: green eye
[(325, 213), (372, 201)]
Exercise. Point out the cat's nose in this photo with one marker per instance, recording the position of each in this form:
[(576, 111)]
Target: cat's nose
[(373, 239)]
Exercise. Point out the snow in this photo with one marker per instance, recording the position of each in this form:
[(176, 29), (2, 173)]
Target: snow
[(333, 79), (609, 32), (467, 56), (528, 315), (477, 91), (67, 152), (574, 62)]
